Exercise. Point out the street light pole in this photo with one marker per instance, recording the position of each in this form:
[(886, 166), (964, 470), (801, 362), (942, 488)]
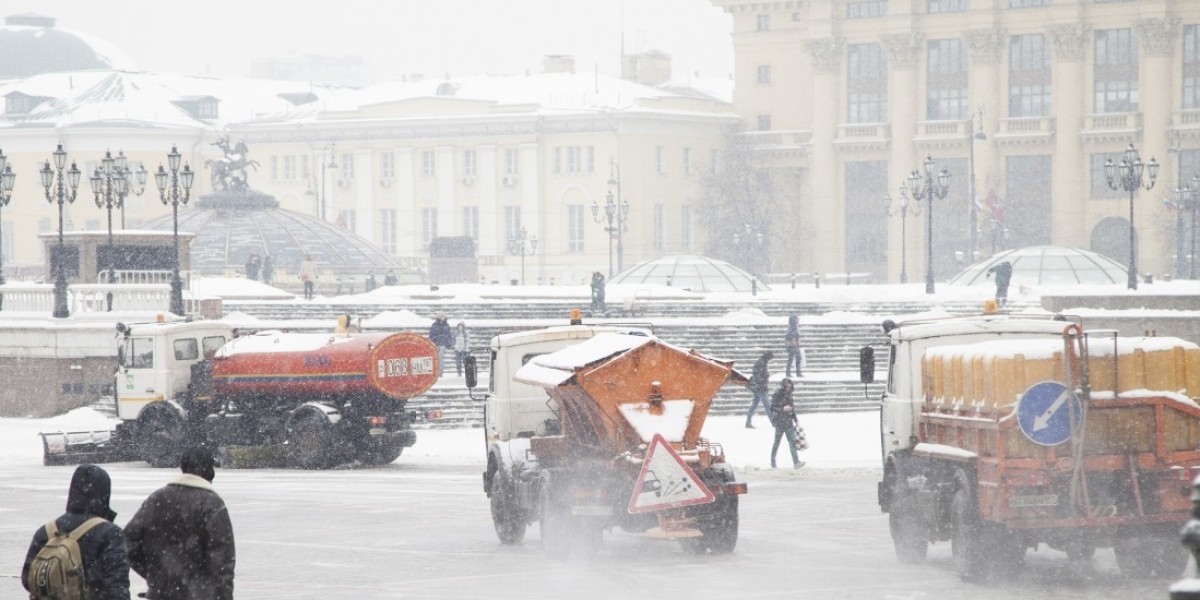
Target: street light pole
[(174, 188), (325, 165), (904, 209), (110, 184), (1128, 176), (926, 188), (972, 136), (62, 195), (517, 246), (615, 219), (7, 180), (1187, 199)]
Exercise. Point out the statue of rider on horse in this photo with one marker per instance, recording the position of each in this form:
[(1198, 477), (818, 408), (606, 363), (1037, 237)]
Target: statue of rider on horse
[(229, 172)]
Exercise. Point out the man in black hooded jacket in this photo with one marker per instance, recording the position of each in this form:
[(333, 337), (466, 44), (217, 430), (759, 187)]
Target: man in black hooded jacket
[(181, 539), (102, 549)]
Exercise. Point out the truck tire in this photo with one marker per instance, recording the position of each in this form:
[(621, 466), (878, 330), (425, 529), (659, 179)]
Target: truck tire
[(1141, 556), (160, 434), (506, 515), (904, 521), (719, 531), (556, 525), (308, 443), (384, 454), (966, 539)]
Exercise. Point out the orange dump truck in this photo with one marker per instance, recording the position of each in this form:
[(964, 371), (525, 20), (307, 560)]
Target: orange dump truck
[(1004, 432), (594, 427)]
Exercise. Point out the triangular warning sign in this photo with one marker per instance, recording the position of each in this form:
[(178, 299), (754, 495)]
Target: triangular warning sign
[(666, 482)]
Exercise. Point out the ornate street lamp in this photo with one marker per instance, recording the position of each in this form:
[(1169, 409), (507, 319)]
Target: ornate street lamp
[(1187, 199), (174, 188), (521, 245), (110, 184), (62, 195), (904, 209), (927, 188), (616, 216), (1128, 176), (749, 244), (137, 181), (7, 180)]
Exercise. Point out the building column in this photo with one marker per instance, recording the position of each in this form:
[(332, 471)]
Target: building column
[(1155, 91), (408, 235), (827, 207), (988, 103), (447, 186), (486, 168), (1071, 168), (904, 54), (365, 184)]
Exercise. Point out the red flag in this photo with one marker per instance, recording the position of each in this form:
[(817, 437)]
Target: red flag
[(994, 206)]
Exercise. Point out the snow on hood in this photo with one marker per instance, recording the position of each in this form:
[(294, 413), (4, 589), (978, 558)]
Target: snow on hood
[(555, 368)]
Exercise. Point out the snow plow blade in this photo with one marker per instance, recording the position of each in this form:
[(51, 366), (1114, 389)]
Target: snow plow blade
[(79, 447)]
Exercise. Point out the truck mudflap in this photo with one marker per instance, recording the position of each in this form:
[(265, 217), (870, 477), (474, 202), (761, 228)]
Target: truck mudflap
[(403, 438), (81, 447)]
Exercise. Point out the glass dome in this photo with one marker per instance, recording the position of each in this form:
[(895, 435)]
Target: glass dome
[(1047, 265), (689, 272)]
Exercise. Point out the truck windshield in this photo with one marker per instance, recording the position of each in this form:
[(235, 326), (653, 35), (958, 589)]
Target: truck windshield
[(139, 351)]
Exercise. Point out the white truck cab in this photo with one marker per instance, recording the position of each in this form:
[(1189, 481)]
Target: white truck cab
[(154, 360)]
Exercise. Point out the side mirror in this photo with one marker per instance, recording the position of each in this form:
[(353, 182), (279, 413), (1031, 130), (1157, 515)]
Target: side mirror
[(866, 364), (470, 369), (120, 356)]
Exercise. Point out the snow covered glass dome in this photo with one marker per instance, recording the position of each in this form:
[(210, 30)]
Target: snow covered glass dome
[(690, 272), (1047, 265)]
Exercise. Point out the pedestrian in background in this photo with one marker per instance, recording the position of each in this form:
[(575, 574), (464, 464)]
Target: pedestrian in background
[(783, 418), (370, 281), (795, 354), (308, 275), (443, 338), (268, 269), (759, 381), (598, 305), (181, 539), (1003, 271), (462, 346), (252, 266), (101, 543), (390, 278)]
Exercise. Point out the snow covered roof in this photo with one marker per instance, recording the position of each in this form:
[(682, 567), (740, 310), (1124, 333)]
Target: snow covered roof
[(689, 272), (1047, 265), (30, 44), (552, 370)]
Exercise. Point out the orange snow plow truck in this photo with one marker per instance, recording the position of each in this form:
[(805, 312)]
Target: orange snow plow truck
[(594, 427), (1003, 432)]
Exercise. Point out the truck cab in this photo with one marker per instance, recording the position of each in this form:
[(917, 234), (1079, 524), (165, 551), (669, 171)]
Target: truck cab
[(154, 360)]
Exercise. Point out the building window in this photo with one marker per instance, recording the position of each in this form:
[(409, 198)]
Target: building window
[(764, 73), (866, 9), (428, 226), (947, 80), (947, 6), (573, 159), (289, 167), (762, 22), (468, 163), (511, 163), (591, 159), (347, 166), (1029, 76), (387, 230), (660, 227), (660, 162), (387, 165), (866, 84), (685, 227), (764, 122), (1191, 66), (470, 224), (428, 164), (512, 222), (274, 168), (687, 161), (1099, 183), (1116, 71), (575, 221), (1027, 3)]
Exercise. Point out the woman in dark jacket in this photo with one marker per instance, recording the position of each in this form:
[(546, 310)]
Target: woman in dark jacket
[(783, 417)]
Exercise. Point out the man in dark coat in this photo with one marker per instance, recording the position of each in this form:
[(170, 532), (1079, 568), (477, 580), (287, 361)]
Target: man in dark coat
[(1003, 273), (443, 337), (102, 548), (783, 418), (181, 539), (759, 380)]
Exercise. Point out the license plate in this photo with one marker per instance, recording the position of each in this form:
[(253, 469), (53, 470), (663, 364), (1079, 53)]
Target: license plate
[(1033, 500), (591, 511)]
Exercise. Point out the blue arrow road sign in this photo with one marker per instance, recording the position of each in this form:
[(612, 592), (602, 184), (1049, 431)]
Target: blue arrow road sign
[(1045, 412)]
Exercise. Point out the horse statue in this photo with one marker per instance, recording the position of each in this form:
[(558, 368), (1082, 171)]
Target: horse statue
[(229, 172)]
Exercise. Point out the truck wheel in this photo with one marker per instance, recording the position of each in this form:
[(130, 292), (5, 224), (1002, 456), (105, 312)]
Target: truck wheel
[(308, 444), (720, 531), (904, 521), (1008, 549), (161, 436), (506, 515), (385, 454), (1141, 556), (556, 526), (965, 538)]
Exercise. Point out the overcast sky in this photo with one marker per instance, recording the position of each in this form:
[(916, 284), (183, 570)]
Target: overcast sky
[(398, 37)]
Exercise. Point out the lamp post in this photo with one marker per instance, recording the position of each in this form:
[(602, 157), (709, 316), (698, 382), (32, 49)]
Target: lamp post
[(63, 193), (110, 184), (615, 223), (749, 244), (1187, 199), (903, 210), (518, 246), (137, 181), (174, 188), (927, 188), (1128, 176), (325, 166), (974, 135), (7, 180)]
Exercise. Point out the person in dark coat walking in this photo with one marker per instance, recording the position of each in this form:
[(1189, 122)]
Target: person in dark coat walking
[(102, 548), (795, 354), (443, 337), (783, 418), (1003, 271), (181, 539), (268, 270), (598, 304), (252, 265), (759, 380)]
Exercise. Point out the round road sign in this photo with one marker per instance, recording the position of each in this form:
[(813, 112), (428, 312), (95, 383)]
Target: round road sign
[(1045, 413)]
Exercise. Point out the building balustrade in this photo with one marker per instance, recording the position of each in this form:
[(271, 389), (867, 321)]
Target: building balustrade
[(86, 297), (1111, 126), (1025, 130)]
